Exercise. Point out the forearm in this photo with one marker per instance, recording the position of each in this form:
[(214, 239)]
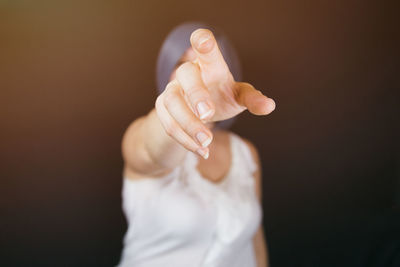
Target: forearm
[(147, 149), (260, 249)]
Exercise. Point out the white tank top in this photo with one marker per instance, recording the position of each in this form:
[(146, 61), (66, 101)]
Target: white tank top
[(185, 220)]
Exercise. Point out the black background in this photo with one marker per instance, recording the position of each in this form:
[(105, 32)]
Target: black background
[(74, 74)]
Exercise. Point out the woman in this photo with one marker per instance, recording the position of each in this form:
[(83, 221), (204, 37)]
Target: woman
[(192, 191)]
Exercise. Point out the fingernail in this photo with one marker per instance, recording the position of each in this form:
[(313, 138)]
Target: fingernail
[(203, 109), (203, 139), (204, 152), (203, 39)]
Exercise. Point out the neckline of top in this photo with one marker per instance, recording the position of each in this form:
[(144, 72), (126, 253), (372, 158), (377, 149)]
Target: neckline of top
[(225, 177)]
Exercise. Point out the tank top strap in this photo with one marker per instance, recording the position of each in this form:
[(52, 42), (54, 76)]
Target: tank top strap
[(242, 157)]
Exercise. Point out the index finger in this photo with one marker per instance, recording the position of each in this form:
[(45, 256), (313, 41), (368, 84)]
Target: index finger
[(206, 48)]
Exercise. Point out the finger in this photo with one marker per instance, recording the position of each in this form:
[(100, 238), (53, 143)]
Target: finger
[(206, 48), (189, 77), (254, 100), (185, 118), (173, 129)]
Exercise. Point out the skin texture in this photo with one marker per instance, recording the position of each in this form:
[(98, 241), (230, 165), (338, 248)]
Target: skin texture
[(201, 92)]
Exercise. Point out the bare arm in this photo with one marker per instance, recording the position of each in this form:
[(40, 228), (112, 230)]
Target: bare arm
[(259, 243), (202, 91), (260, 248), (147, 148)]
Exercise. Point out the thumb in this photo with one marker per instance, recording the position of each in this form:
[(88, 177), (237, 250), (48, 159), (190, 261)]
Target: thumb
[(254, 100)]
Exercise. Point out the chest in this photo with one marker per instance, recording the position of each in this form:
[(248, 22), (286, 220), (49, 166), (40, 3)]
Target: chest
[(199, 209)]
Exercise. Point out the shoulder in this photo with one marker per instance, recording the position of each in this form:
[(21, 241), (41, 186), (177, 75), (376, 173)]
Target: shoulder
[(252, 148), (257, 173), (253, 151)]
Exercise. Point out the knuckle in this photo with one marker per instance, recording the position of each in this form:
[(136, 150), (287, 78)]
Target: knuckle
[(245, 84), (170, 129), (183, 68), (169, 99), (196, 93), (170, 86), (196, 128), (189, 144), (158, 102), (191, 148), (180, 69), (250, 87)]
